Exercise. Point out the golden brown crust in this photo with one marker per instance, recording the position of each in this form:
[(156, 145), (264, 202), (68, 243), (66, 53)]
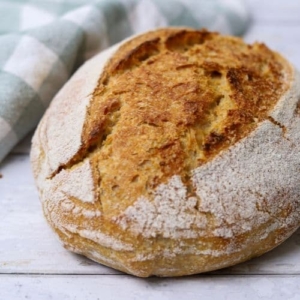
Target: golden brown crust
[(167, 103)]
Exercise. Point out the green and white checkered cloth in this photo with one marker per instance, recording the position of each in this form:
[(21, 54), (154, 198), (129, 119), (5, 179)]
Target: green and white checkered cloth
[(42, 42)]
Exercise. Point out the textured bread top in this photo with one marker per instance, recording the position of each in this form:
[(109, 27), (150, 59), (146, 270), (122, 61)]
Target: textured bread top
[(168, 102), (175, 134)]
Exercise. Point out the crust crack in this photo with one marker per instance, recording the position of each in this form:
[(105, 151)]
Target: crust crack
[(281, 126), (197, 92)]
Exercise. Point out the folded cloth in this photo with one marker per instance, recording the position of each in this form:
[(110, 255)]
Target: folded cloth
[(42, 42)]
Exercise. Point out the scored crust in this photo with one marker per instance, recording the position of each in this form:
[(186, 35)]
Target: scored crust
[(173, 153)]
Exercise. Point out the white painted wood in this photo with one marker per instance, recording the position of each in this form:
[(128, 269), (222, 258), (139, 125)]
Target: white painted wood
[(127, 287), (28, 246)]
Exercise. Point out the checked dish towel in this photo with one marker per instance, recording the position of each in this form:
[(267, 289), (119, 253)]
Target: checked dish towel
[(42, 42)]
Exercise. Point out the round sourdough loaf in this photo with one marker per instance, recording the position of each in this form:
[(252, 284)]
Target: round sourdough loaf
[(173, 153)]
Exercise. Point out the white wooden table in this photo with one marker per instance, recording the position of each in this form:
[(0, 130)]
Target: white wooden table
[(34, 265)]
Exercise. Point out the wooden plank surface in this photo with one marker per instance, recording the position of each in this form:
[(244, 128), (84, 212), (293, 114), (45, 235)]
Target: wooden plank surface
[(126, 287), (34, 265)]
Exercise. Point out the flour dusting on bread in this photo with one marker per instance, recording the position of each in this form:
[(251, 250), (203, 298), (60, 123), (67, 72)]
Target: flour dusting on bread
[(173, 153), (172, 214)]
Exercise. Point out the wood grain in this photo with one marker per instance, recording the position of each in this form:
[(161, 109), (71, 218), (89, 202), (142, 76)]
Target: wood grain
[(126, 287), (34, 265)]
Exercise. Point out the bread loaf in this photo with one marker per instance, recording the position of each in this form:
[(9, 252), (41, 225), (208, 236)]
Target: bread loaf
[(173, 153)]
